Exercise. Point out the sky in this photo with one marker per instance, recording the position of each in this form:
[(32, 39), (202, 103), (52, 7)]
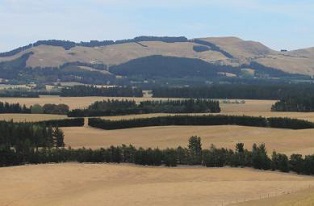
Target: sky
[(279, 24)]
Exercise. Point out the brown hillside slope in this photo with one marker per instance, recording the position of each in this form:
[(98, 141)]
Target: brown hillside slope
[(298, 61), (111, 184), (240, 48), (52, 56)]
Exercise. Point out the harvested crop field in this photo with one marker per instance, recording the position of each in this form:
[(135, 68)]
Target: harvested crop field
[(250, 108), (110, 184), (30, 117), (281, 140)]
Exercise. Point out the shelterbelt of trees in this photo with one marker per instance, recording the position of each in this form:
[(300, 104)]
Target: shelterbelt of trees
[(6, 107), (122, 107), (264, 91), (193, 154), (82, 90), (77, 91), (274, 122), (295, 103)]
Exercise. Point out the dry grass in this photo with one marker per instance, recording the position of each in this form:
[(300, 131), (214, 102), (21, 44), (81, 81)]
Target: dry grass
[(299, 61), (300, 198), (250, 108), (49, 56), (30, 117), (103, 184), (291, 63), (281, 140), (81, 184)]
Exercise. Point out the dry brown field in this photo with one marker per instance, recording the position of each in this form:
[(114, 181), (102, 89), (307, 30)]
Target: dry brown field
[(300, 198), (30, 117), (102, 184), (110, 184), (250, 108), (281, 140)]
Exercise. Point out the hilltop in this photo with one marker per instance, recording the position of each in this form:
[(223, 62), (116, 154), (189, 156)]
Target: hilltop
[(150, 58)]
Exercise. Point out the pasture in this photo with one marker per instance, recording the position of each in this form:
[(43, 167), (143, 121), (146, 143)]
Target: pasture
[(282, 140), (250, 108), (111, 184)]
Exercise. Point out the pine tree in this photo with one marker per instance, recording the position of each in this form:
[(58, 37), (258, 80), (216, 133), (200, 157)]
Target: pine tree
[(195, 150), (58, 137)]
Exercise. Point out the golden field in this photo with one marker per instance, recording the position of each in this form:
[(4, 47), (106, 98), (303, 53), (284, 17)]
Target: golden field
[(30, 117), (112, 184), (250, 108), (281, 140)]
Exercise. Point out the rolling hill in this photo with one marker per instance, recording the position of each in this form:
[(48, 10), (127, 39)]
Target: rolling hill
[(144, 58)]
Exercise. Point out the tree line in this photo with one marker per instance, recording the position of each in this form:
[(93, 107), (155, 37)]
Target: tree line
[(274, 122), (295, 103), (81, 91), (6, 107), (238, 91), (193, 154), (123, 107), (73, 122), (67, 45)]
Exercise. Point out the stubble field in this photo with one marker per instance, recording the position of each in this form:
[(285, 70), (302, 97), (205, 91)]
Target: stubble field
[(110, 184), (106, 184)]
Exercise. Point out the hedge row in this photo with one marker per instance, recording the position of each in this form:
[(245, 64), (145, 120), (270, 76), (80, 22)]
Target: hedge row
[(76, 122), (202, 120)]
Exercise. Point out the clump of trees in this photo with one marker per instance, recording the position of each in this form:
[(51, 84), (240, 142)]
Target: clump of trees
[(202, 120), (81, 91), (122, 107), (55, 109), (19, 140), (181, 106), (61, 109), (295, 103), (6, 107), (199, 48)]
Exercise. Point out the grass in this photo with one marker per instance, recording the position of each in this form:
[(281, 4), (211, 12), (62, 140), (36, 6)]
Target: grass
[(281, 140), (303, 197), (110, 184), (30, 117), (81, 184)]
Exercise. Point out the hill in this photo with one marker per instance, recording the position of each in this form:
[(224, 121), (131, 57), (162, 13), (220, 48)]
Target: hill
[(112, 184), (103, 61)]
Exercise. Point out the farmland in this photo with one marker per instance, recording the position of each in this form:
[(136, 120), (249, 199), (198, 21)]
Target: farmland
[(110, 184), (100, 184)]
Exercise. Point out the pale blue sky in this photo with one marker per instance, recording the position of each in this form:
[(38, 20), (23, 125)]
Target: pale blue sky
[(279, 24)]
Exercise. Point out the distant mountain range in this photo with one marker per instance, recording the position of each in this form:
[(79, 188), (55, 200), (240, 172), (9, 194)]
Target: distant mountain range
[(149, 59)]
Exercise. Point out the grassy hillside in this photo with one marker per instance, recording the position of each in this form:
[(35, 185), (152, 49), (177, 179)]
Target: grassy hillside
[(110, 184), (90, 61)]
